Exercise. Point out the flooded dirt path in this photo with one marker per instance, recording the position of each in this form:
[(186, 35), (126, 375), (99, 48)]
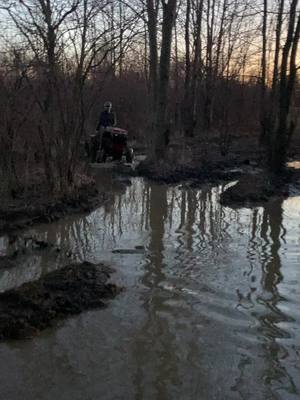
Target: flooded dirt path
[(210, 310)]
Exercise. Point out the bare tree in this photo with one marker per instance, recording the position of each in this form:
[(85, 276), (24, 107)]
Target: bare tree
[(281, 134), (187, 82), (15, 109), (160, 69), (263, 115), (67, 42), (152, 21)]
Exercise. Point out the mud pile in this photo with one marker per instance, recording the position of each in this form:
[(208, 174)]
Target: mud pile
[(36, 305)]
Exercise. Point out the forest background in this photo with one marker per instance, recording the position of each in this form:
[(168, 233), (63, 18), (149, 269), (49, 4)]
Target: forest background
[(194, 70)]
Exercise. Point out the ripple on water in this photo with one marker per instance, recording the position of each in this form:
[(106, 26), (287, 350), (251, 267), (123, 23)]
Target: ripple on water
[(211, 308)]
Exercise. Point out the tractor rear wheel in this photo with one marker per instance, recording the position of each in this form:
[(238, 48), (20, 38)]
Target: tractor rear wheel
[(129, 155)]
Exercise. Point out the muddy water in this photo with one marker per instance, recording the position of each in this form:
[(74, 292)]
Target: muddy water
[(211, 308)]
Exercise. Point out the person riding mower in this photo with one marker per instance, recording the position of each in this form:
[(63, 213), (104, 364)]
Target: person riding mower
[(109, 140)]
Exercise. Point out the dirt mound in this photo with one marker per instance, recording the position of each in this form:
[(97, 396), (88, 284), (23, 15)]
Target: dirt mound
[(34, 306)]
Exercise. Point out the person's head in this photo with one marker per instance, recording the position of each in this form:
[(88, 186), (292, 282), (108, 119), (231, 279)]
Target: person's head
[(107, 106)]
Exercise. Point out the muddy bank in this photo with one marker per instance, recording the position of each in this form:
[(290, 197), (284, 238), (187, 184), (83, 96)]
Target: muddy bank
[(196, 174), (201, 160), (201, 163), (24, 212), (257, 189), (35, 306)]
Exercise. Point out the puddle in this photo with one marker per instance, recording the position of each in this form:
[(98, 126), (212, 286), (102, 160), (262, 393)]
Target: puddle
[(210, 310)]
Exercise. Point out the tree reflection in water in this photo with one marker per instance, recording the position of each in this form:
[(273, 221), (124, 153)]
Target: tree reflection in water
[(272, 233), (155, 350)]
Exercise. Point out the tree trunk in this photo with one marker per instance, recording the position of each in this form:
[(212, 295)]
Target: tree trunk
[(187, 82), (162, 131), (196, 67), (280, 136), (152, 31), (273, 106), (208, 103), (177, 102), (263, 116)]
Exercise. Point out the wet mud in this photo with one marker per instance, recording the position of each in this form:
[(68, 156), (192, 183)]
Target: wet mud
[(22, 213), (203, 161), (34, 306), (257, 189), (197, 175)]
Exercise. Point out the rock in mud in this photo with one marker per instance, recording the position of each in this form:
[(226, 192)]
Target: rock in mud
[(36, 305)]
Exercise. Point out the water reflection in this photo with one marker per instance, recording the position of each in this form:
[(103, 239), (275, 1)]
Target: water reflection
[(273, 235), (156, 359), (211, 307)]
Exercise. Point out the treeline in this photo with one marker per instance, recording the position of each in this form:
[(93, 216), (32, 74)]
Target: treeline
[(192, 67)]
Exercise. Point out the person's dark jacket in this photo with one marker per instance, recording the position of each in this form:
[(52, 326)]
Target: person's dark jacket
[(106, 119)]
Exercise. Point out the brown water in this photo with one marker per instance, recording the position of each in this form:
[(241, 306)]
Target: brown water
[(211, 308)]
